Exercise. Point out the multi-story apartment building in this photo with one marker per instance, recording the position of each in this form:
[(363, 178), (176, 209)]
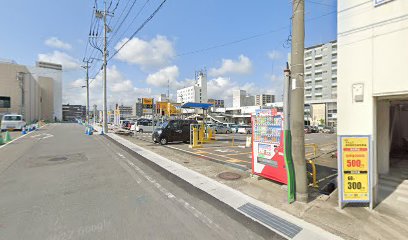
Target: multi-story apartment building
[(196, 93), (321, 82), (263, 99)]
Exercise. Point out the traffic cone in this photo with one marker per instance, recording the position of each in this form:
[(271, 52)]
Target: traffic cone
[(7, 138), (23, 131), (1, 139)]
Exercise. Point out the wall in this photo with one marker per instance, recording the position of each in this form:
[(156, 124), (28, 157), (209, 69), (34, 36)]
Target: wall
[(371, 50), (47, 98)]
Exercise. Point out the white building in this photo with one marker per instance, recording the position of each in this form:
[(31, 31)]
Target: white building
[(373, 84), (196, 93), (240, 98)]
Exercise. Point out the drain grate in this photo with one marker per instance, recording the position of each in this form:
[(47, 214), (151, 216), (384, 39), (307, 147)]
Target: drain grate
[(279, 224), (229, 176)]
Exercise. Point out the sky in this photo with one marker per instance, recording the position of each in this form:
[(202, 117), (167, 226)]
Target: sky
[(240, 44)]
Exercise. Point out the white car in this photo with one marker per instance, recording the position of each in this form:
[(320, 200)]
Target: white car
[(245, 129), (12, 121)]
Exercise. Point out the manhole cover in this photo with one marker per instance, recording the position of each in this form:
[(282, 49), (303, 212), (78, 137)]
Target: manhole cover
[(229, 176), (55, 159)]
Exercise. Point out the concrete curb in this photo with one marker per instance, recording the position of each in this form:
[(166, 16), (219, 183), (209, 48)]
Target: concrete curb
[(229, 196)]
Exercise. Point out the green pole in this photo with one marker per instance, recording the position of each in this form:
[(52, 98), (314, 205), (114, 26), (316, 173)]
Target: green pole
[(287, 137)]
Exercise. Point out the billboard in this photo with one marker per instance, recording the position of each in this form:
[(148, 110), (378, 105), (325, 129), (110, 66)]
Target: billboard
[(147, 101), (5, 102), (147, 111)]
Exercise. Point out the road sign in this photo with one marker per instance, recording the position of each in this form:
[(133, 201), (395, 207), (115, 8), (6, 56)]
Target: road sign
[(354, 169), (147, 101)]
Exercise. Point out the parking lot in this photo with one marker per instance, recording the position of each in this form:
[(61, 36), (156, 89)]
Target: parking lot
[(231, 150)]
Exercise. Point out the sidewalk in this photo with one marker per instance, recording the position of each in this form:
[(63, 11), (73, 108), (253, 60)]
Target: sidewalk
[(321, 211)]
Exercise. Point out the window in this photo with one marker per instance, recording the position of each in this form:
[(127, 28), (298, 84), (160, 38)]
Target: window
[(12, 118)]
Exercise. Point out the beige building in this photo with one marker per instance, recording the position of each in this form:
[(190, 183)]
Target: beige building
[(31, 96)]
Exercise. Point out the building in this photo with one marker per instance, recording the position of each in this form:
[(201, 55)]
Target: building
[(263, 99), (196, 93), (72, 112), (27, 93), (321, 83), (52, 71), (373, 88), (163, 98), (240, 98), (216, 103), (137, 109), (125, 111)]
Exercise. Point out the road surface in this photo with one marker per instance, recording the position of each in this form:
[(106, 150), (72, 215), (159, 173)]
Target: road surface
[(58, 183)]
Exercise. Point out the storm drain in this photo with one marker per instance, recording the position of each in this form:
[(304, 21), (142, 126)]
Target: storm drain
[(229, 176), (279, 224)]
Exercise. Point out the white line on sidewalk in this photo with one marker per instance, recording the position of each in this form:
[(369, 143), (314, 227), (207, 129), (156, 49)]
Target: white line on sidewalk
[(20, 137)]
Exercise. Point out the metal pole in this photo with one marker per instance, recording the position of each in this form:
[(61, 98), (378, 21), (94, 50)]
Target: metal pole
[(105, 110), (297, 99)]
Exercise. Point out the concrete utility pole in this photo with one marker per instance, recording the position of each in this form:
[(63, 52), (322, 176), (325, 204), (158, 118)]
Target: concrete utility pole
[(106, 29), (86, 67), (297, 99)]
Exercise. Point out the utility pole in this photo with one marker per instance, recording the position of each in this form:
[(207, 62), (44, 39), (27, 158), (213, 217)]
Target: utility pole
[(86, 67), (20, 78), (106, 29), (297, 99)]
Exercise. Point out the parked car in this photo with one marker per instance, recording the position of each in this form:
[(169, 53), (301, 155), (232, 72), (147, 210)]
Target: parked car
[(314, 129), (328, 129), (308, 129), (222, 129), (234, 128), (320, 128), (12, 121), (245, 129), (172, 131)]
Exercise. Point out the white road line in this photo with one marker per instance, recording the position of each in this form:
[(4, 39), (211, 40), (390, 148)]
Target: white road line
[(20, 137)]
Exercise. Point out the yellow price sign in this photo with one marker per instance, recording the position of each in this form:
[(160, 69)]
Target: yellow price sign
[(355, 166)]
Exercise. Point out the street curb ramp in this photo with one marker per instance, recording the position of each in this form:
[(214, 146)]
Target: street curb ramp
[(284, 224)]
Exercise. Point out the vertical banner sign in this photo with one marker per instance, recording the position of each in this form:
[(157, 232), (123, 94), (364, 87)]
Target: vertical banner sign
[(354, 168)]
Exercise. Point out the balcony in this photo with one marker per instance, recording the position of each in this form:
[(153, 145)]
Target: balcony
[(308, 87), (308, 80), (318, 94), (318, 86), (319, 78)]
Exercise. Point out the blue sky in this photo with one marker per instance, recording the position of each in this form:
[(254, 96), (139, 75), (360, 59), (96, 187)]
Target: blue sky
[(168, 47)]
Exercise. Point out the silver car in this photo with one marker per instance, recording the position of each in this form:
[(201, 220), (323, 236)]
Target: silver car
[(222, 129)]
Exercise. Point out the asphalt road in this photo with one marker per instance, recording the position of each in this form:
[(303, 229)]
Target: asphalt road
[(57, 183)]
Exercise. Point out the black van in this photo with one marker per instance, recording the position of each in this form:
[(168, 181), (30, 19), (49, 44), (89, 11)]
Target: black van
[(173, 130)]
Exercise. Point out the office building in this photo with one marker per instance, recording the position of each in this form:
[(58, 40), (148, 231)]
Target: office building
[(263, 99), (196, 93), (72, 112)]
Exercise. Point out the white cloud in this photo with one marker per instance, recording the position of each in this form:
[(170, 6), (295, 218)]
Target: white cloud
[(67, 61), (242, 66), (54, 42), (274, 55), (157, 52), (164, 76), (120, 90)]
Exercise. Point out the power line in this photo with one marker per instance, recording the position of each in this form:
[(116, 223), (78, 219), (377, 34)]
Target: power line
[(139, 29), (248, 37), (121, 23)]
